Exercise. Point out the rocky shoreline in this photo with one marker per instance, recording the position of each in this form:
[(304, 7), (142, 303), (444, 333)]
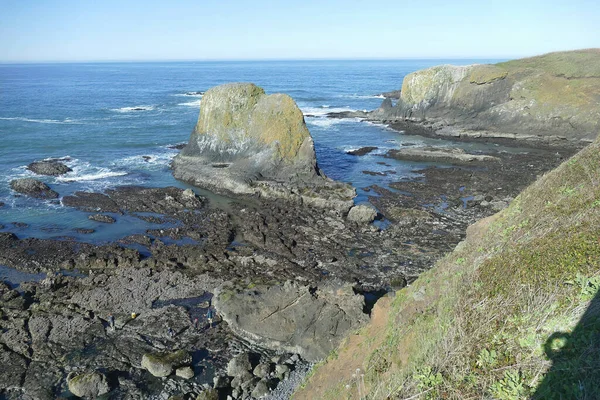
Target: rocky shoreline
[(255, 245), (282, 277)]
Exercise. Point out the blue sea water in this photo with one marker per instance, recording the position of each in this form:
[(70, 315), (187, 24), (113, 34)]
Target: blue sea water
[(103, 118)]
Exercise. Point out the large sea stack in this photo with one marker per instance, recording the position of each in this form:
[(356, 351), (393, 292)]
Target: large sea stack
[(249, 143), (552, 99)]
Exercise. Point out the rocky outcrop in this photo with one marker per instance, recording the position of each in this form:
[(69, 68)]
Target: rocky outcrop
[(362, 151), (33, 188), (440, 154), (51, 168), (249, 143), (293, 318), (546, 99)]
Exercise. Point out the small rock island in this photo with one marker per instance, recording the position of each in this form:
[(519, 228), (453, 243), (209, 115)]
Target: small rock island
[(249, 143)]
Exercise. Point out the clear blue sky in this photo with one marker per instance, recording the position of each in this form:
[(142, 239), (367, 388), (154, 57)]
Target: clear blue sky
[(84, 30)]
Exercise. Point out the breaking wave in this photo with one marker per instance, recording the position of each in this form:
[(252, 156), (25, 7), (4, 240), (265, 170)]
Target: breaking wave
[(42, 121), (134, 109)]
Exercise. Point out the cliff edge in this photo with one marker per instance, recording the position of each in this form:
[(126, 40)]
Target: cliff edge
[(512, 313), (548, 99)]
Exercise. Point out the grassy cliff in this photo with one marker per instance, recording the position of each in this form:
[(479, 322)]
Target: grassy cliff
[(513, 312)]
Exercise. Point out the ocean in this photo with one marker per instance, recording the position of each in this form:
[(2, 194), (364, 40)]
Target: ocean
[(114, 124)]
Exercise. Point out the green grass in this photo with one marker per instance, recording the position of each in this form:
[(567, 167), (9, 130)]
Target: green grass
[(568, 64)]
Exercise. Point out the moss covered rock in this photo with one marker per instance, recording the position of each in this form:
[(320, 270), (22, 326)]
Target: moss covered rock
[(88, 384), (208, 394), (163, 364)]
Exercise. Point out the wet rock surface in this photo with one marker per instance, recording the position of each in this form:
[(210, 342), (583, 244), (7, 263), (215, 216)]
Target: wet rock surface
[(362, 151), (105, 219), (33, 188), (51, 168)]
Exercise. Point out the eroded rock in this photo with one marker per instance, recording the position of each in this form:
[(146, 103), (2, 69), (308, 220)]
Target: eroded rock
[(249, 143), (51, 168), (292, 317), (33, 188)]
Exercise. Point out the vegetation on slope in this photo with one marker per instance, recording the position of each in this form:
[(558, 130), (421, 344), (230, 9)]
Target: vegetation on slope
[(512, 313), (555, 94)]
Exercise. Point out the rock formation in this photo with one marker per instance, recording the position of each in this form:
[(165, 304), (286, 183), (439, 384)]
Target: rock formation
[(34, 188), (545, 99), (292, 317), (250, 143), (48, 167)]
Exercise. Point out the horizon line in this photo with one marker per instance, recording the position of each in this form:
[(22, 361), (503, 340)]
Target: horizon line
[(149, 60)]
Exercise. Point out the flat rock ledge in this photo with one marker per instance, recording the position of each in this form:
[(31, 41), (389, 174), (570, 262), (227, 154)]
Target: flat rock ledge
[(439, 154), (293, 318)]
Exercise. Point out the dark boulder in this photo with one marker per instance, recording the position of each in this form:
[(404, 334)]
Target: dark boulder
[(34, 188), (51, 168), (362, 151)]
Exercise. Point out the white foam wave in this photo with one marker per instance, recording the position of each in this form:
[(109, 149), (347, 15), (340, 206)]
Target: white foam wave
[(134, 109), (102, 173), (363, 96), (195, 103), (323, 122), (380, 150), (327, 123), (382, 126), (42, 121), (85, 172), (189, 94), (323, 111), (65, 158), (150, 161)]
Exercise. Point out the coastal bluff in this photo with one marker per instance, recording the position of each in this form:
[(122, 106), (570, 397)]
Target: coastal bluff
[(249, 143), (552, 99)]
